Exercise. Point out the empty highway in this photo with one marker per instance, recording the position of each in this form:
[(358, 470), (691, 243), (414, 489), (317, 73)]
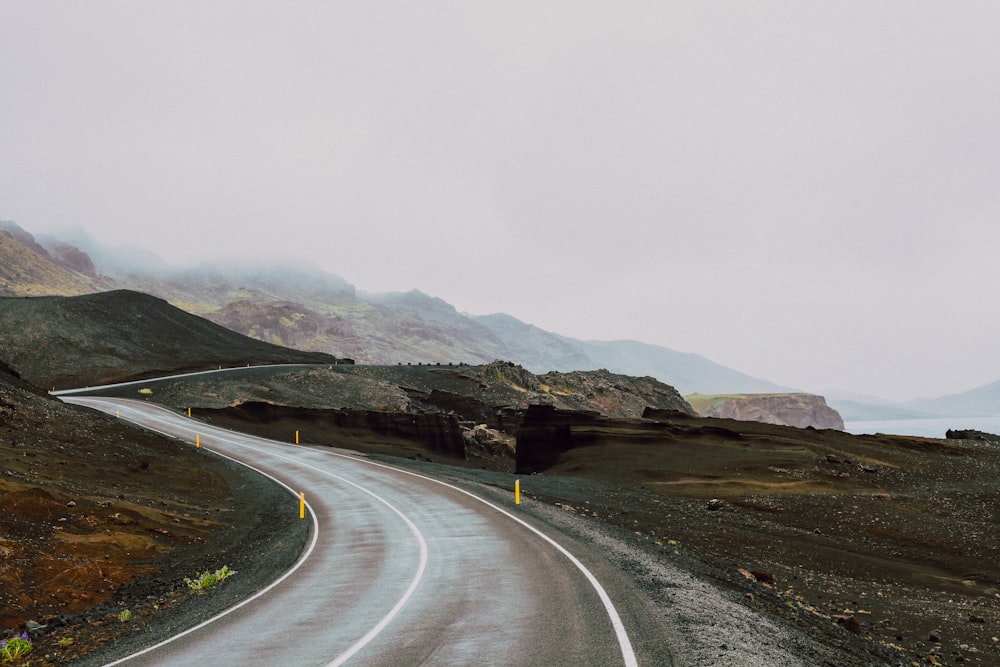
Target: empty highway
[(400, 570)]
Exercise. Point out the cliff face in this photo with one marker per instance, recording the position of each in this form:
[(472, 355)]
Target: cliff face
[(800, 410)]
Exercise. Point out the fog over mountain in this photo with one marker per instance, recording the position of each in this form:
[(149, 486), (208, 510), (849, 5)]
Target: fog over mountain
[(306, 308), (804, 191)]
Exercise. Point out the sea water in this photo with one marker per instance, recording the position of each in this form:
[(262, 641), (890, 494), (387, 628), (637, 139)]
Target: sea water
[(927, 428)]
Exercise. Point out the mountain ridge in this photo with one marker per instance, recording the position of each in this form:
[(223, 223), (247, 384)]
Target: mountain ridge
[(983, 401), (319, 312), (313, 310)]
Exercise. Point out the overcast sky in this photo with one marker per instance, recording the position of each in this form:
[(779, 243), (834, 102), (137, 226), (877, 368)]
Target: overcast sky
[(807, 192)]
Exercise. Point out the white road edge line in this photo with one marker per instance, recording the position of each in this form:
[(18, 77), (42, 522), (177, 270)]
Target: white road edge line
[(302, 559), (421, 541), (628, 654), (378, 627), (624, 643)]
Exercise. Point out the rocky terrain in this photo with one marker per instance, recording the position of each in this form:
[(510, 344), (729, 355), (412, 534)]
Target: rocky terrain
[(881, 548), (801, 410), (99, 518), (452, 414)]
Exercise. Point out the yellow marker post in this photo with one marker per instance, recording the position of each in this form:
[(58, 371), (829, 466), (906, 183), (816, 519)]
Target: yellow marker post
[(118, 413), (517, 492), (296, 437), (302, 505), (189, 412), (197, 440)]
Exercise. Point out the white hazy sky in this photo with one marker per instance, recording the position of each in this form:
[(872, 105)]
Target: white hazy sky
[(804, 191)]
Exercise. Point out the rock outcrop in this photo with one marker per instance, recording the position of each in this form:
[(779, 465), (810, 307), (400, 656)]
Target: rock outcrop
[(800, 410), (498, 393), (611, 394), (437, 431), (971, 434)]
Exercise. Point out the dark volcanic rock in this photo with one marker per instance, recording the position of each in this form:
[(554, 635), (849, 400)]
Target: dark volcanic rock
[(971, 434), (547, 432), (436, 431), (612, 394), (498, 393)]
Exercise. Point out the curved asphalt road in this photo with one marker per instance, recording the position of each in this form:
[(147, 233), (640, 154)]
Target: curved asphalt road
[(402, 570)]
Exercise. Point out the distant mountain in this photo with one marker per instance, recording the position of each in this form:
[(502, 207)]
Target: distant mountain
[(540, 350), (690, 373), (308, 309), (858, 411), (28, 269), (979, 402)]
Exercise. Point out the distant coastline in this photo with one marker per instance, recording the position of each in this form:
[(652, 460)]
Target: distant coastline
[(927, 427)]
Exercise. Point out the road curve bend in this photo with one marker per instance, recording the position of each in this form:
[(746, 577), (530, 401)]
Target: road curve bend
[(402, 570)]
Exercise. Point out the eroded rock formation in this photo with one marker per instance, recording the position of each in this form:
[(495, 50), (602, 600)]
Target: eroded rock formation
[(800, 410)]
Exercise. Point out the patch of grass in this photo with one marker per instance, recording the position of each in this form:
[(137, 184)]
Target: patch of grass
[(125, 615), (16, 647), (208, 579), (146, 391)]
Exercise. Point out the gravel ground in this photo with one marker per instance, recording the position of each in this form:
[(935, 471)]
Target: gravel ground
[(714, 621)]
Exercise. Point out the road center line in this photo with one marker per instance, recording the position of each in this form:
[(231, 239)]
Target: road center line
[(223, 435), (625, 645), (621, 634)]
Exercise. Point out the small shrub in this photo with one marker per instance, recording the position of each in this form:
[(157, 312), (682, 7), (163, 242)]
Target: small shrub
[(208, 579), (146, 391), (125, 615), (15, 647), (65, 641)]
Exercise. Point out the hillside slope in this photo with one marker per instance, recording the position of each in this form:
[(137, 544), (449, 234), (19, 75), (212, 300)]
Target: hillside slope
[(121, 335), (688, 372), (979, 402), (27, 270), (313, 310)]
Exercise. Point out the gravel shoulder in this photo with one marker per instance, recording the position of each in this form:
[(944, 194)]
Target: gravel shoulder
[(703, 609)]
